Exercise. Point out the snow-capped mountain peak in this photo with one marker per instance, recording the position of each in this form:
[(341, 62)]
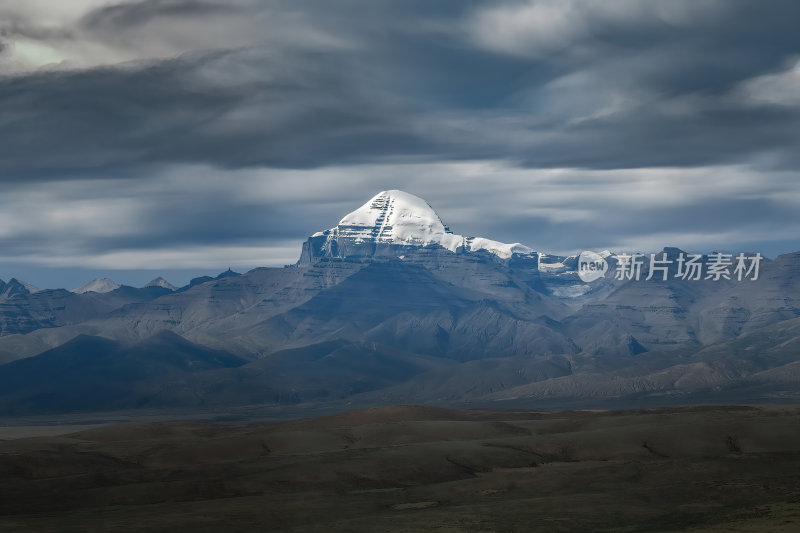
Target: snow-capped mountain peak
[(398, 218), (101, 285), (161, 282)]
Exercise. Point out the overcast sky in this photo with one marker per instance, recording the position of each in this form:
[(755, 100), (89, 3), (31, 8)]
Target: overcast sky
[(181, 137)]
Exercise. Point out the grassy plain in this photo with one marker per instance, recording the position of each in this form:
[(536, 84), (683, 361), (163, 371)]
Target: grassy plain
[(414, 469)]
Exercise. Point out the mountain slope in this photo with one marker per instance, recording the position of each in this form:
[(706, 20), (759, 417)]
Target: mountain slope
[(15, 287), (27, 312), (92, 372)]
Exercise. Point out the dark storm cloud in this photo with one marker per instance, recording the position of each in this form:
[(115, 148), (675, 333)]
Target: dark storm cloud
[(168, 124), (205, 223), (412, 82), (646, 138), (306, 112)]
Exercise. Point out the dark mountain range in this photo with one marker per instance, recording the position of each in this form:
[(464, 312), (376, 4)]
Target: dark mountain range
[(205, 279), (22, 311), (88, 372), (391, 306)]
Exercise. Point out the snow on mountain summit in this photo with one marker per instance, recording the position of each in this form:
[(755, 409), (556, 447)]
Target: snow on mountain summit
[(101, 285), (161, 282), (398, 218)]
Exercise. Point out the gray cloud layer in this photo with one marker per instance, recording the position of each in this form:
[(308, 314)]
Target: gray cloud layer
[(142, 90), (602, 89)]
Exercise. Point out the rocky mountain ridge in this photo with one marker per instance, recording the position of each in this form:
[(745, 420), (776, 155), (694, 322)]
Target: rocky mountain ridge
[(384, 307)]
